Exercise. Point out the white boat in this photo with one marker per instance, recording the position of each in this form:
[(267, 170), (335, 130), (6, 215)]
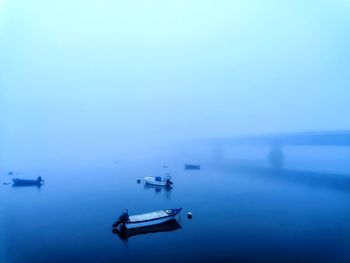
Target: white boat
[(147, 219), (163, 181)]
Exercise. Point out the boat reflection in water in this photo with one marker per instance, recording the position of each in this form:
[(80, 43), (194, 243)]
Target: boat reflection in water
[(124, 233), (158, 188)]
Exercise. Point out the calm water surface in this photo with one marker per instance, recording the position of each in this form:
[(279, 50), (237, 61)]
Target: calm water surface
[(241, 213)]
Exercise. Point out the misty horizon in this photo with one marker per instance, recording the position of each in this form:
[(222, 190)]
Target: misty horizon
[(176, 71)]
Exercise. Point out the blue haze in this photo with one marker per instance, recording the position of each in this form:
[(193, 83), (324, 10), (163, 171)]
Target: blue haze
[(97, 75), (96, 94)]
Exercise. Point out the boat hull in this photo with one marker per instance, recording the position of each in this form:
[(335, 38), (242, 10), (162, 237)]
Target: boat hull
[(151, 180), (149, 223), (192, 167), (26, 182), (156, 183), (21, 182), (147, 219)]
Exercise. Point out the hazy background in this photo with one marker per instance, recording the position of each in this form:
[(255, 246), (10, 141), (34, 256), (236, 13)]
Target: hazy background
[(97, 94), (90, 78)]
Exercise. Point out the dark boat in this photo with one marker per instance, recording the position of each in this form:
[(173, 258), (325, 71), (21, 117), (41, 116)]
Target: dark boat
[(25, 182), (192, 167), (124, 234)]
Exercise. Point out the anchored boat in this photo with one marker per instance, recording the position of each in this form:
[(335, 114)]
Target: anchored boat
[(192, 167), (165, 181), (148, 219), (25, 182)]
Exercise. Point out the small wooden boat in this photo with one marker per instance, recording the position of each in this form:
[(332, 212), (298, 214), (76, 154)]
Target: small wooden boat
[(192, 167), (125, 234), (25, 182), (148, 219), (165, 181)]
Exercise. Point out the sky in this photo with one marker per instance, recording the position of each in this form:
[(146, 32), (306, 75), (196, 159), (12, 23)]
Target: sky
[(101, 76)]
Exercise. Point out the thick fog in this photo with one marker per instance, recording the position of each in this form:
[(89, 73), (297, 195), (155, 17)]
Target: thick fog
[(91, 78)]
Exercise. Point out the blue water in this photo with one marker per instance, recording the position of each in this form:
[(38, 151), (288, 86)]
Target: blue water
[(242, 211)]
